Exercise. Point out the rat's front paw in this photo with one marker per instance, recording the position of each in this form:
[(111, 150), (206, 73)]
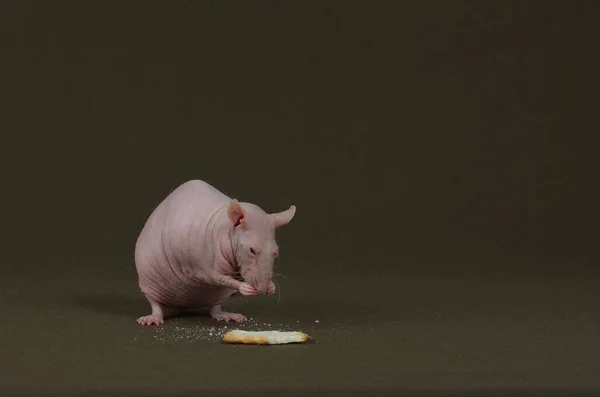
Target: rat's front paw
[(271, 288), (247, 290)]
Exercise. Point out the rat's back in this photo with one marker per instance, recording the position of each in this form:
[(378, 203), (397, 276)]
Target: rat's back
[(161, 253), (192, 201)]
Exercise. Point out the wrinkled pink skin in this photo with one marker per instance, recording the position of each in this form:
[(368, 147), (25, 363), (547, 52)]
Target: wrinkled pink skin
[(199, 247)]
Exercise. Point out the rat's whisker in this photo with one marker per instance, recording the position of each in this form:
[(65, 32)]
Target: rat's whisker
[(282, 275), (278, 291)]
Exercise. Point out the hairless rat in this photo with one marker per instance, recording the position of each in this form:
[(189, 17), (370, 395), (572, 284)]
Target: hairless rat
[(199, 247)]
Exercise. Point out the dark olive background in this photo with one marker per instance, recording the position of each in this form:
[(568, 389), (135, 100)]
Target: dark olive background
[(442, 155)]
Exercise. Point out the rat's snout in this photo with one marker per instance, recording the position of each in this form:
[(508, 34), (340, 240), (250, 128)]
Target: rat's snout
[(262, 287), (262, 282), (258, 275), (262, 290)]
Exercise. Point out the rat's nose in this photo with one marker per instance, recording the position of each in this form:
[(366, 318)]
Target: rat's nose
[(262, 288)]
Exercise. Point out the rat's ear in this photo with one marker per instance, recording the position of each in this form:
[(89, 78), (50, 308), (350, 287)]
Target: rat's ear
[(236, 213), (284, 217)]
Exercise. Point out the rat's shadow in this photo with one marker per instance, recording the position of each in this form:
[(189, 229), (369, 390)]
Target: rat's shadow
[(121, 305), (326, 310), (113, 304)]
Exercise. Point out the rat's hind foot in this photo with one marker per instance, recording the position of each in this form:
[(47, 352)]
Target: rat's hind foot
[(235, 317), (150, 320), (218, 314), (156, 318)]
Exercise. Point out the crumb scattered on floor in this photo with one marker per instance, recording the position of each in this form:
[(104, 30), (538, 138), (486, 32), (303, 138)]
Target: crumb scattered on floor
[(206, 330)]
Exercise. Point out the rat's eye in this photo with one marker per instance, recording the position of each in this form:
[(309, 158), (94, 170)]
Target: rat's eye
[(253, 251)]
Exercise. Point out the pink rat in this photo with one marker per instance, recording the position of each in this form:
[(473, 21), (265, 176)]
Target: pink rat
[(199, 247)]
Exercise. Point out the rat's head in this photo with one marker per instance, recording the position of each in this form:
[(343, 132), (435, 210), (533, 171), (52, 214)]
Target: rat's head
[(254, 242)]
